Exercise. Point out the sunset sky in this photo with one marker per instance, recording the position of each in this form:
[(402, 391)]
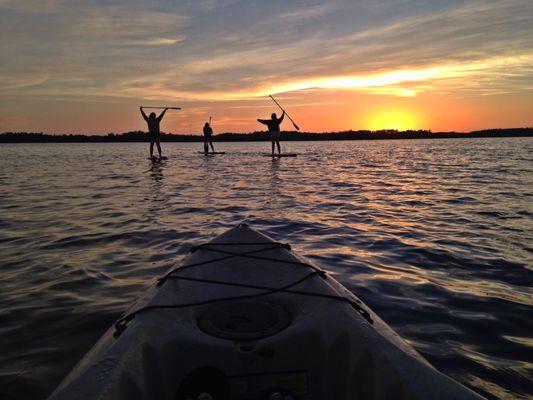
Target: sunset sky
[(84, 66)]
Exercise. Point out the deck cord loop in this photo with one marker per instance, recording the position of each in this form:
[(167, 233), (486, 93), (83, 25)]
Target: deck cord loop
[(121, 324)]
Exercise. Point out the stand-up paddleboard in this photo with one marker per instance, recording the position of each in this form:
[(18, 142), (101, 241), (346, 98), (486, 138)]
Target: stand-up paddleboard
[(281, 155), (211, 153), (244, 317), (157, 159)]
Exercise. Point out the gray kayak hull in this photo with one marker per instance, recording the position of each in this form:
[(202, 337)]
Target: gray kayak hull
[(313, 340)]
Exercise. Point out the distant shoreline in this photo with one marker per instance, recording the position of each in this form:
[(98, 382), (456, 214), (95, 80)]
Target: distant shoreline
[(138, 136)]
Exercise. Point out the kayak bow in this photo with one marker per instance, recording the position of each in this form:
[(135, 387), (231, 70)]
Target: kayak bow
[(246, 318)]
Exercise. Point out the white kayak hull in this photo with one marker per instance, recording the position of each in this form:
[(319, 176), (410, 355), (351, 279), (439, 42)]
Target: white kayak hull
[(259, 342)]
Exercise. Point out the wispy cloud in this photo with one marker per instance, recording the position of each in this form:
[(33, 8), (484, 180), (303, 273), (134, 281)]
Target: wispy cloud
[(227, 50), (33, 6), (157, 41), (483, 69), (315, 11), (17, 82)]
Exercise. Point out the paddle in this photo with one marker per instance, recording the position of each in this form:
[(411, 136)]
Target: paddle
[(273, 99), (170, 108)]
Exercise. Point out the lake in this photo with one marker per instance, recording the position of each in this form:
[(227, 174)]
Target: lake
[(436, 236)]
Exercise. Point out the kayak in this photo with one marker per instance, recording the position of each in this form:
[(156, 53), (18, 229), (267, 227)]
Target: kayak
[(245, 318)]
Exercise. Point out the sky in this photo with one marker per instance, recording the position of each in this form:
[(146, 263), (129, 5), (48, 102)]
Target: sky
[(85, 66)]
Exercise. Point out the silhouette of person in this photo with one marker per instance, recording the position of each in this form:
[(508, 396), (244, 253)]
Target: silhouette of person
[(273, 129), (208, 132), (153, 130)]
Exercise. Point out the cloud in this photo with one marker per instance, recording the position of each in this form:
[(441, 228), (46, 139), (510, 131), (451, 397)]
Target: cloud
[(210, 51), (33, 6), (388, 82), (471, 76), (208, 5), (21, 81), (307, 12), (157, 41)]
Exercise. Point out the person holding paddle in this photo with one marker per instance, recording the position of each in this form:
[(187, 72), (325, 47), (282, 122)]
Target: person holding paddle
[(208, 132), (273, 126), (153, 130), (273, 129)]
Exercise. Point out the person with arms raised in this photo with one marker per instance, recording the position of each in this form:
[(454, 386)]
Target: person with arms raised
[(153, 130)]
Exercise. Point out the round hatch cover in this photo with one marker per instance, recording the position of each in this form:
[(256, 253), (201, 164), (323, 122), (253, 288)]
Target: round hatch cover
[(244, 320)]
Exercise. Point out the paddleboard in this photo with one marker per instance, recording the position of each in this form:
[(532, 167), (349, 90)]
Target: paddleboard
[(281, 155), (211, 153), (155, 159)]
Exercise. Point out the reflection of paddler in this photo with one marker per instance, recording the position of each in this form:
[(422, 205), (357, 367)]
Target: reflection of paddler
[(208, 133), (273, 128), (153, 130)]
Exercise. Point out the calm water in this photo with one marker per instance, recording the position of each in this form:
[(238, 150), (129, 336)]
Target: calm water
[(436, 236)]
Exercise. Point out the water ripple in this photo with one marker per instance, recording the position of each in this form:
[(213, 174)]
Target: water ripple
[(434, 235)]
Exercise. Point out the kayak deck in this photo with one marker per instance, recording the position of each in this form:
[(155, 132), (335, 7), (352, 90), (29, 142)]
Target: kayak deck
[(244, 316)]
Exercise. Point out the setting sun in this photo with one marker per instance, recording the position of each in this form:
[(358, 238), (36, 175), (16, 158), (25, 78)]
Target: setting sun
[(394, 119)]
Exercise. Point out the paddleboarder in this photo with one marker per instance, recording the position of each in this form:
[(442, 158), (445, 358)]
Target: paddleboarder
[(208, 132), (273, 129), (153, 130)]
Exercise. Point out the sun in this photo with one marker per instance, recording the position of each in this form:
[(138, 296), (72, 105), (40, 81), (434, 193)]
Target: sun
[(400, 120)]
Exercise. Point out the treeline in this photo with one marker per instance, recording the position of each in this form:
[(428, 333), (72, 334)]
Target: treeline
[(138, 136)]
